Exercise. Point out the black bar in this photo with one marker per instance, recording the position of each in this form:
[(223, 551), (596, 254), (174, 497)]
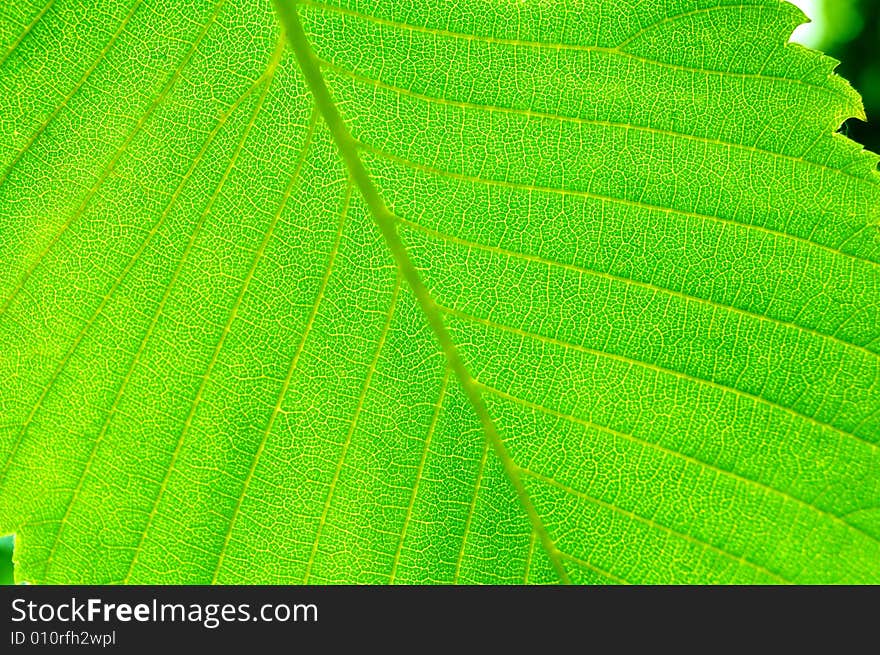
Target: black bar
[(414, 619)]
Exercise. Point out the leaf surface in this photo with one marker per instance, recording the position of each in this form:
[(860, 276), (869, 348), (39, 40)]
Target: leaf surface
[(434, 292)]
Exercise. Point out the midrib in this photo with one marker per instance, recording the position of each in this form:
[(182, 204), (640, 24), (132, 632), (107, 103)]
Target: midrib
[(387, 224)]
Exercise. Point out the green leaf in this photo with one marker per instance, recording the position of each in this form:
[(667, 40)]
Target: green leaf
[(429, 292)]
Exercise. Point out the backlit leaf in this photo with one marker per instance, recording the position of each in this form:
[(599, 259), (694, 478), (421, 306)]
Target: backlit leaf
[(432, 291)]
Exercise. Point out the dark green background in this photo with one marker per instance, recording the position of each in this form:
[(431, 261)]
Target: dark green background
[(6, 560), (852, 35)]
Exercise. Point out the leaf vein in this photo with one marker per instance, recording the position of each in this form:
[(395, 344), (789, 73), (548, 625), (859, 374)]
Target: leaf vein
[(109, 295), (388, 226), (521, 186), (633, 516), (419, 472), (26, 32), (108, 169), (285, 385), (537, 259), (517, 43), (577, 120), (701, 463), (353, 426), (658, 369), (207, 210)]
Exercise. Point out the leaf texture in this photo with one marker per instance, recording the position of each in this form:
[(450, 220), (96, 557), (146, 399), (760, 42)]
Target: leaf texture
[(434, 292)]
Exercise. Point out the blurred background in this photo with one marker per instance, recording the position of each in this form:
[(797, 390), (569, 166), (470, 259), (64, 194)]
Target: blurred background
[(848, 30), (6, 560)]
